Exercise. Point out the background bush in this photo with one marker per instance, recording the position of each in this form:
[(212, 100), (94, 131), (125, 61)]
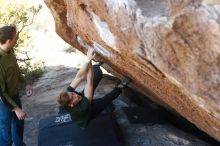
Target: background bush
[(21, 15)]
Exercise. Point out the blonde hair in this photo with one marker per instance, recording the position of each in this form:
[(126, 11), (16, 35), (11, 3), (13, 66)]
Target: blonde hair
[(63, 99)]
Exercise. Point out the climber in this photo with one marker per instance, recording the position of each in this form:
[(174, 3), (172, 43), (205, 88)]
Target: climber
[(81, 105)]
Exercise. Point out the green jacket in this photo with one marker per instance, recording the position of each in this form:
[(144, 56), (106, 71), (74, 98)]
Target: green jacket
[(10, 78)]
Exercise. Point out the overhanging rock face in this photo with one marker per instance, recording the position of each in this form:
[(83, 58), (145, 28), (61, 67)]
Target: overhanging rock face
[(168, 47)]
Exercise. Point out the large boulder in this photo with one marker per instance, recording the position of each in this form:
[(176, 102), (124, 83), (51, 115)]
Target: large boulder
[(169, 48)]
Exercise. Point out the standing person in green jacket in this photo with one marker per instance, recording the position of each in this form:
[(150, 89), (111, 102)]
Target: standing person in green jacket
[(11, 114)]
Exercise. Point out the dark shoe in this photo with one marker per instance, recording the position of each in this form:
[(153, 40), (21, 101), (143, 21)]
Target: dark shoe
[(124, 82)]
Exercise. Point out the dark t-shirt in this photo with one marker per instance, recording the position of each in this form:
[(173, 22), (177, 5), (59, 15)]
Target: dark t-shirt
[(80, 113)]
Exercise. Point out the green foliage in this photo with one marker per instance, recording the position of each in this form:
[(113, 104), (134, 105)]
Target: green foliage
[(33, 71), (21, 14)]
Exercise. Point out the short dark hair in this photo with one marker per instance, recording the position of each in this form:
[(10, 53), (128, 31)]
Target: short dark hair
[(63, 99), (7, 33)]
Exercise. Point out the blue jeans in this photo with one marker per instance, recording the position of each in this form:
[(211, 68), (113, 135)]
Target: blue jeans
[(11, 128)]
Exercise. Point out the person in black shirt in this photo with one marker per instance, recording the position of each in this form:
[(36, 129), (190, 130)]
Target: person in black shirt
[(81, 105)]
